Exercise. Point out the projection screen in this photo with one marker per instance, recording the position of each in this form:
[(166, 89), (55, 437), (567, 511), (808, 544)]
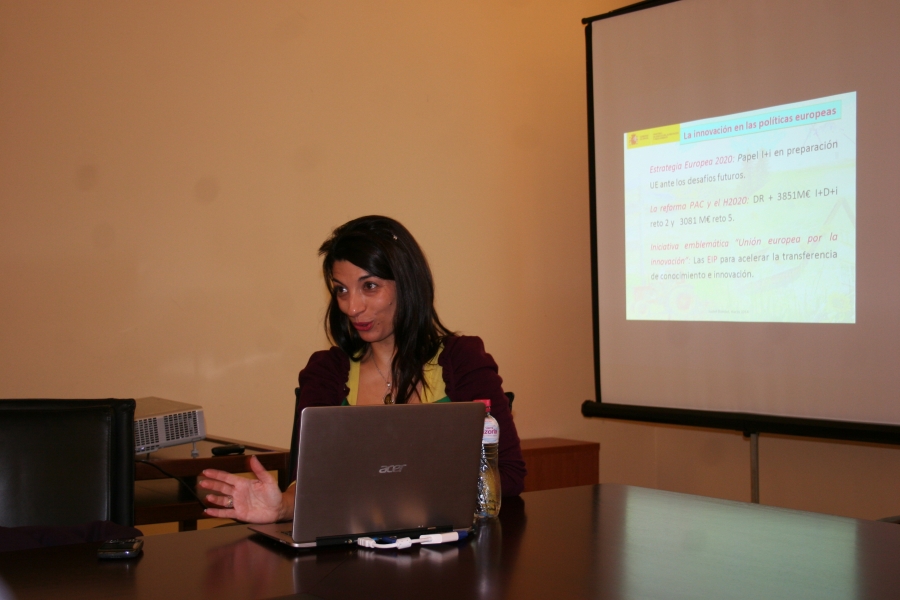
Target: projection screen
[(744, 204)]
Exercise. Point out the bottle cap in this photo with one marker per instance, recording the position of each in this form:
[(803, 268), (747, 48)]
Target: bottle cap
[(486, 402)]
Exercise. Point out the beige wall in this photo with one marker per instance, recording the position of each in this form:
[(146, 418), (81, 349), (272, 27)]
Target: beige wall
[(168, 169)]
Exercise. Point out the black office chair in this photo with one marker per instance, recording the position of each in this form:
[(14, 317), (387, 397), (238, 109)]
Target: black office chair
[(66, 462), (295, 432)]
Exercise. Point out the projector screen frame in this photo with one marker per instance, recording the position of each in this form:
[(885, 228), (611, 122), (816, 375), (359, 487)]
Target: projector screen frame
[(746, 423)]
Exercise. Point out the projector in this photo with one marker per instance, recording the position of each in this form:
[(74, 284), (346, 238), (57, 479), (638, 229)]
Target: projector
[(159, 423)]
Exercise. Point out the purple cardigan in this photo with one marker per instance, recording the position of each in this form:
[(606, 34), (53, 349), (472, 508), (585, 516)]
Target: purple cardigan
[(469, 374)]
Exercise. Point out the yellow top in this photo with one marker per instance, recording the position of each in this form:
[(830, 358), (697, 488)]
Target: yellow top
[(433, 390)]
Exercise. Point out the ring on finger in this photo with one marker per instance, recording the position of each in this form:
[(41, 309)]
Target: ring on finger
[(229, 502)]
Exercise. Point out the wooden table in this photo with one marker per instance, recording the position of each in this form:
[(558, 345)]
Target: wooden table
[(603, 541), (551, 462), (557, 463)]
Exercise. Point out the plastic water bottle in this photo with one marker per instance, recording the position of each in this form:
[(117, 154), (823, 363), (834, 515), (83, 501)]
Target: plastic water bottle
[(489, 475)]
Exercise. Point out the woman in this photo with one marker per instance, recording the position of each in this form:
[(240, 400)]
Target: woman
[(390, 347)]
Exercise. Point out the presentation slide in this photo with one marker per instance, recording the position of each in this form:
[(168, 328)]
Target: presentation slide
[(749, 217)]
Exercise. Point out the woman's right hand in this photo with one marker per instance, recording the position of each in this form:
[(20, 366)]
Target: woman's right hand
[(250, 500)]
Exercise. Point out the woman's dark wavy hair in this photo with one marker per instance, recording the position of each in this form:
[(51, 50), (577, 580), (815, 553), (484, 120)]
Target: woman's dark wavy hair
[(384, 248)]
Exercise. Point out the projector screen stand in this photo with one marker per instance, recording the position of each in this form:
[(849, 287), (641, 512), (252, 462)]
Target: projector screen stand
[(754, 466)]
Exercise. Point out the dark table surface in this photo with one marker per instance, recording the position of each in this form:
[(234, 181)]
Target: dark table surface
[(604, 541)]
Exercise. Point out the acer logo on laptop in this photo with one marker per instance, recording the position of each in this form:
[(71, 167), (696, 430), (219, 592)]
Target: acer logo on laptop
[(391, 468)]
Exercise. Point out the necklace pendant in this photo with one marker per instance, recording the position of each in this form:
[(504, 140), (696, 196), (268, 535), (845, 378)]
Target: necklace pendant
[(388, 398)]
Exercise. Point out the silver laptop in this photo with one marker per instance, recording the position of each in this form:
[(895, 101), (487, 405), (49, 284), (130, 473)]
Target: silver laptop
[(383, 470)]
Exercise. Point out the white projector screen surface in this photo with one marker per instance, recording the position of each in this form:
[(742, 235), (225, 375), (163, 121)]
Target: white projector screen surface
[(747, 217), (747, 227)]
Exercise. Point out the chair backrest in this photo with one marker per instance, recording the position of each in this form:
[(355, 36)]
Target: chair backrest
[(66, 462), (295, 437)]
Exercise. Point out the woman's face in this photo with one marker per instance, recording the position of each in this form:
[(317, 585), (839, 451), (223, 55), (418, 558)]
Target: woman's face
[(368, 301)]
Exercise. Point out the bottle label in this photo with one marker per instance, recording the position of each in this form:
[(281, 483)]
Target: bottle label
[(491, 433)]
